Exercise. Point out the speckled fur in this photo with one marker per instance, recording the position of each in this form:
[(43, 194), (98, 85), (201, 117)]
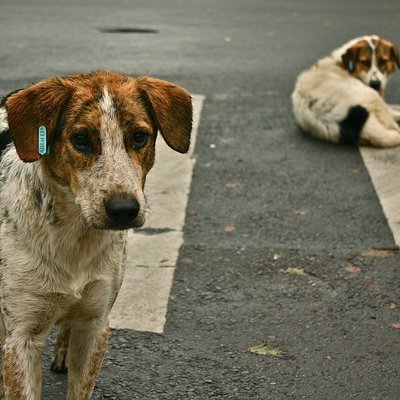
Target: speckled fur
[(61, 260)]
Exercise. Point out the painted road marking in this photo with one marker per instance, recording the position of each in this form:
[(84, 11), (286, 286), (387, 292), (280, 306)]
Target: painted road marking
[(384, 168), (153, 252)]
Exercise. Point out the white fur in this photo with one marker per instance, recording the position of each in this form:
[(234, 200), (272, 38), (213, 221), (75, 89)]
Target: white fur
[(3, 119)]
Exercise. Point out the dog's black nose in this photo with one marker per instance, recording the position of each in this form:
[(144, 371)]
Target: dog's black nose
[(121, 211), (375, 84)]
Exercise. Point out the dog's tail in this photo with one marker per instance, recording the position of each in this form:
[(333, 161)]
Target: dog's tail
[(351, 126), (328, 120)]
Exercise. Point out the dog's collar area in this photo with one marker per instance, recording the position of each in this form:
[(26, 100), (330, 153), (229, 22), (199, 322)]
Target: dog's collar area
[(43, 146)]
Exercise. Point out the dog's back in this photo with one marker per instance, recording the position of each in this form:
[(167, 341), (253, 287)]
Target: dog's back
[(322, 98)]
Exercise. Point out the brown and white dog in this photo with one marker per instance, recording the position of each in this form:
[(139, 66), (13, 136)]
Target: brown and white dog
[(339, 99), (71, 184)]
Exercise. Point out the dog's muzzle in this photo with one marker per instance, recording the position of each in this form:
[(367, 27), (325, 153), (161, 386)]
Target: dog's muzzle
[(122, 211), (375, 84)]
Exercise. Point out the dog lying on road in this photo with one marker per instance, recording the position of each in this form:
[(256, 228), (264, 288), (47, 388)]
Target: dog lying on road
[(71, 184), (339, 99)]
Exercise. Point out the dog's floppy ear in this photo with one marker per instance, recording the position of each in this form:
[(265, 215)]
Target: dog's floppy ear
[(394, 55), (171, 106), (32, 108), (350, 57)]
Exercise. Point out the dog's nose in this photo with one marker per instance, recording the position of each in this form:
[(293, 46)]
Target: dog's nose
[(121, 211), (375, 84)]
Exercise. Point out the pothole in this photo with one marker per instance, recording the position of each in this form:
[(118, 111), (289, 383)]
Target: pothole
[(119, 29)]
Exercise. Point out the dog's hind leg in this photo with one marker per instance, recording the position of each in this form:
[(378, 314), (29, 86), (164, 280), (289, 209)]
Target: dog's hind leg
[(377, 134), (59, 360)]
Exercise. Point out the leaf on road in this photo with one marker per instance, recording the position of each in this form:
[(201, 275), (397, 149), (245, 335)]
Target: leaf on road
[(396, 325), (352, 271), (233, 185), (392, 306), (295, 271), (264, 350), (374, 252), (230, 228), (299, 213)]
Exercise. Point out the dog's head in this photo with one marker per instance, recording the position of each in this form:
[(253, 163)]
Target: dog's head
[(371, 59), (99, 132)]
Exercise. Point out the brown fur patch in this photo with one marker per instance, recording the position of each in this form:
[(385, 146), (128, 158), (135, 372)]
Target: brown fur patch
[(387, 56), (13, 386), (360, 55), (172, 108), (358, 58), (94, 366), (27, 109), (84, 114)]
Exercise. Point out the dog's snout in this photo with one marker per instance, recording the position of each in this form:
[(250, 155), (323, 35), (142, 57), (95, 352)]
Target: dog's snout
[(122, 211), (375, 84)]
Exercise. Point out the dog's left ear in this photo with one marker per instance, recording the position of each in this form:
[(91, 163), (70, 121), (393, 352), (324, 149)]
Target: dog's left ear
[(29, 109), (172, 109)]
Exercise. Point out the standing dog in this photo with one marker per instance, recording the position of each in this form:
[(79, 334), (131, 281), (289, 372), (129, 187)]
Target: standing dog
[(71, 185), (339, 99)]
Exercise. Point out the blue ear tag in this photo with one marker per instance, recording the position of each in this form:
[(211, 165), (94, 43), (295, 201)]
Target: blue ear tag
[(351, 66), (43, 148)]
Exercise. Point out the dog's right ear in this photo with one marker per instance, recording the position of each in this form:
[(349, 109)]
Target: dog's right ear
[(35, 107)]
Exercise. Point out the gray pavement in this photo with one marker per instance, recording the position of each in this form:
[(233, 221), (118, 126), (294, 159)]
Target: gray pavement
[(297, 270)]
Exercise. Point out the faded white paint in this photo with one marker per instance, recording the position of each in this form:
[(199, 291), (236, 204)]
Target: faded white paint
[(384, 168)]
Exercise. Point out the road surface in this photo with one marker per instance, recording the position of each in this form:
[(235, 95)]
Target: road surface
[(279, 240)]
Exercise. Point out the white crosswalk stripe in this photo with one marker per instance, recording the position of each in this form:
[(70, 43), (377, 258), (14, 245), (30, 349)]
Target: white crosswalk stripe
[(384, 169), (153, 251)]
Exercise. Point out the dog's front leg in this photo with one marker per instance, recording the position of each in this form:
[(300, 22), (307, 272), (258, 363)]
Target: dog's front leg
[(22, 373), (88, 344)]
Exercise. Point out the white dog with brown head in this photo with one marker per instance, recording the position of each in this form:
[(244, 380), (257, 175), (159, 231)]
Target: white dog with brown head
[(339, 99)]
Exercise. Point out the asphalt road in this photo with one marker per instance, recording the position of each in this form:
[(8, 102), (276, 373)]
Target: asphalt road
[(279, 228)]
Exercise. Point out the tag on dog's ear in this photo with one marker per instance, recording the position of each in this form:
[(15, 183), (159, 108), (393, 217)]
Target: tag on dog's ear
[(351, 65), (43, 148)]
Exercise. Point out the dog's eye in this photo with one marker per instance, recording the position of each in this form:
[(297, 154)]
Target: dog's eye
[(139, 139), (81, 142)]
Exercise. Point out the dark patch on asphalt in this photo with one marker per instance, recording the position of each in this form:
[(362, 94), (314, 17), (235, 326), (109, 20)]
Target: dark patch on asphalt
[(154, 231), (117, 29)]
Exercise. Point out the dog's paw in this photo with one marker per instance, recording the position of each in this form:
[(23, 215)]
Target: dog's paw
[(59, 362)]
